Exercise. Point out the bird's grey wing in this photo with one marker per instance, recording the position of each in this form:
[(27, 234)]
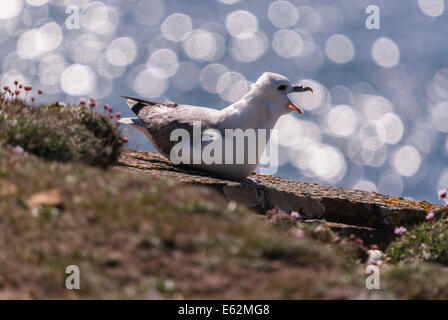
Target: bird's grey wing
[(161, 119)]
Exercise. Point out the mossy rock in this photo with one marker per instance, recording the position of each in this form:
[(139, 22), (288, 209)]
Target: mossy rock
[(61, 132)]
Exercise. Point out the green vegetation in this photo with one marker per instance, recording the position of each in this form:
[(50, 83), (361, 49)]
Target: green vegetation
[(426, 242), (417, 281), (59, 132)]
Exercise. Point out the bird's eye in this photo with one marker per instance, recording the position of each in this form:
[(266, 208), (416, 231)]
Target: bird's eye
[(282, 87)]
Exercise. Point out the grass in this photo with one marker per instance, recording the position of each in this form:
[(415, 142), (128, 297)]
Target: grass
[(417, 281), (138, 236)]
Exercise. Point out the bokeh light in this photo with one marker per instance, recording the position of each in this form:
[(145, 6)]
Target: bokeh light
[(386, 53), (440, 116), (78, 79), (203, 45), (229, 1), (34, 42), (249, 49), (37, 2), (210, 75), (342, 120), (287, 43), (85, 49), (326, 162), (339, 48), (393, 127), (407, 161), (283, 14), (310, 19), (176, 26), (10, 8), (241, 24), (163, 63), (149, 86), (121, 52), (231, 86), (108, 70), (365, 185), (432, 8), (374, 107), (99, 18), (51, 69)]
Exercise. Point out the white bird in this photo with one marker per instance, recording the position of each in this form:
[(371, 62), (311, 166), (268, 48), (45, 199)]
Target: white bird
[(260, 108)]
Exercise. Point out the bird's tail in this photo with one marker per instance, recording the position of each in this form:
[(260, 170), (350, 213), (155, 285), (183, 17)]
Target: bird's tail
[(136, 104)]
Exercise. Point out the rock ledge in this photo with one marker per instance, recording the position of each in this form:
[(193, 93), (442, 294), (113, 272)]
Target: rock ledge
[(340, 208)]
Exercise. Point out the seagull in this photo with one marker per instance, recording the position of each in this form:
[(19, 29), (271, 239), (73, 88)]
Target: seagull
[(259, 109)]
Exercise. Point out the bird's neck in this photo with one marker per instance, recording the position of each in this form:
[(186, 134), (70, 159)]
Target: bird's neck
[(251, 111)]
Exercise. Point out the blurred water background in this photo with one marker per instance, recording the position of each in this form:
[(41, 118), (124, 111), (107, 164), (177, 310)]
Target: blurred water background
[(378, 118)]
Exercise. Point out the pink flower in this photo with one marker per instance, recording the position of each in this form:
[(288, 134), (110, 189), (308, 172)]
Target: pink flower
[(6, 88), (106, 107), (39, 92), (400, 230), (83, 102), (118, 115), (17, 149), (295, 214), (430, 215), (125, 139), (442, 194), (28, 88), (92, 103)]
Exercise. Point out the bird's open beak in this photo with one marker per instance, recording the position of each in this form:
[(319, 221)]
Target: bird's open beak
[(291, 105), (301, 89)]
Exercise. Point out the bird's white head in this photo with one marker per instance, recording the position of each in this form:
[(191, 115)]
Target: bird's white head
[(275, 88)]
